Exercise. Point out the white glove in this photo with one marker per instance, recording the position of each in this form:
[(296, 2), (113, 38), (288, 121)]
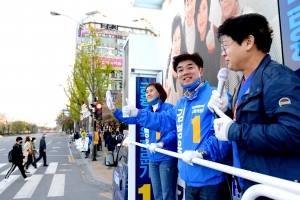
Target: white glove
[(221, 126), (152, 146), (109, 101), (216, 100), (130, 110), (188, 155)]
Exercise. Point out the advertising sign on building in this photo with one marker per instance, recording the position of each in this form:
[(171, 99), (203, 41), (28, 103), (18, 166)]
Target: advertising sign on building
[(115, 62)]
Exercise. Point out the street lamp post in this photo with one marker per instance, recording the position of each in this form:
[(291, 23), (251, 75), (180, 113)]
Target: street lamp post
[(58, 14), (63, 118), (94, 151), (93, 93)]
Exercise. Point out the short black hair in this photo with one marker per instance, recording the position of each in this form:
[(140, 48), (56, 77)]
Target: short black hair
[(18, 139), (195, 57), (239, 28)]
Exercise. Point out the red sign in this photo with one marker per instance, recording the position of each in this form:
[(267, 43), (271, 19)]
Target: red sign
[(113, 61)]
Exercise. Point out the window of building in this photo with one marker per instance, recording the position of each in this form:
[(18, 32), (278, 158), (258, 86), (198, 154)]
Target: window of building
[(85, 39)]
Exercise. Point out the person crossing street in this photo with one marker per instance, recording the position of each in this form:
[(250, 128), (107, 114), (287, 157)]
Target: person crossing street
[(42, 150), (17, 161)]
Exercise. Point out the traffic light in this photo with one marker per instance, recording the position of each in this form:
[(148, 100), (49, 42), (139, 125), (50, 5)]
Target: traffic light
[(98, 111)]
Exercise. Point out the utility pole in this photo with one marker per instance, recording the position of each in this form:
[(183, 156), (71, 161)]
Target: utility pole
[(94, 153)]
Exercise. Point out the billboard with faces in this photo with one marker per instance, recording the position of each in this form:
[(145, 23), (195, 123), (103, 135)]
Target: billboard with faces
[(191, 26)]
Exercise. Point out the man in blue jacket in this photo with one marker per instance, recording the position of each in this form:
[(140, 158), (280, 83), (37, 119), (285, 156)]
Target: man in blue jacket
[(265, 130), (193, 121), (42, 150)]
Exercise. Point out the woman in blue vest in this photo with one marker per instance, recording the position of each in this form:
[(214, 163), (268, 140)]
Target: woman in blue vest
[(163, 168)]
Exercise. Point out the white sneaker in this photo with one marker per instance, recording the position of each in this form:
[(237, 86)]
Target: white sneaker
[(26, 179), (7, 180)]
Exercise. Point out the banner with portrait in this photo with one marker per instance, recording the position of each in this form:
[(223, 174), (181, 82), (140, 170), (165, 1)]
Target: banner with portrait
[(191, 26), (82, 144)]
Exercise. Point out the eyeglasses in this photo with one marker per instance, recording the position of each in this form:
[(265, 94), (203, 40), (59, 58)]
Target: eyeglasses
[(225, 45)]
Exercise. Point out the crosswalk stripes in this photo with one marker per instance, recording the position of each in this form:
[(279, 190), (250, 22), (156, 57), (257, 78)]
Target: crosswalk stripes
[(57, 186), (4, 184), (3, 164), (29, 187), (5, 172), (30, 168), (51, 169), (33, 170)]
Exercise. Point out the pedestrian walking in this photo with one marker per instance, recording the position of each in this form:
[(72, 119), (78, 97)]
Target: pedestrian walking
[(70, 141), (17, 161), (119, 138), (76, 136), (105, 134), (34, 152), (42, 150), (27, 152), (87, 152), (99, 143), (111, 142)]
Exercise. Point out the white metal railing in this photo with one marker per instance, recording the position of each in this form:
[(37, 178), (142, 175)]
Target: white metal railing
[(272, 187)]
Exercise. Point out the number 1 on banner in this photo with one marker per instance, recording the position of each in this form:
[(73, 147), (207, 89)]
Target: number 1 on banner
[(196, 129), (145, 190)]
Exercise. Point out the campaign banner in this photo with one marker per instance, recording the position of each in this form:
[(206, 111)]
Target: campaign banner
[(290, 33), (143, 181), (82, 144)]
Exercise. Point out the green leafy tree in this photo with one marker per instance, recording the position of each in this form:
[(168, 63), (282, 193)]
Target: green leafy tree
[(89, 76), (18, 126), (3, 122), (65, 121)]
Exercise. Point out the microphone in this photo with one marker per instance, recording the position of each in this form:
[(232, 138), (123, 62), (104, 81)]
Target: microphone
[(222, 77)]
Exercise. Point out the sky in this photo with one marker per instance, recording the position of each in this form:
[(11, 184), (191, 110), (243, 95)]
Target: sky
[(38, 50)]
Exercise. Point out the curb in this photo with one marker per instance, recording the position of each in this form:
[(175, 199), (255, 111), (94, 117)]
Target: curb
[(97, 180)]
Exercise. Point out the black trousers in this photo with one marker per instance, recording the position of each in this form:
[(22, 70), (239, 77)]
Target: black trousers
[(29, 161), (42, 155), (13, 166), (34, 161)]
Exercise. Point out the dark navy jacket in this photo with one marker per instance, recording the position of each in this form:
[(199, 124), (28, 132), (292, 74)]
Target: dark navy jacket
[(17, 154), (267, 134), (42, 144)]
